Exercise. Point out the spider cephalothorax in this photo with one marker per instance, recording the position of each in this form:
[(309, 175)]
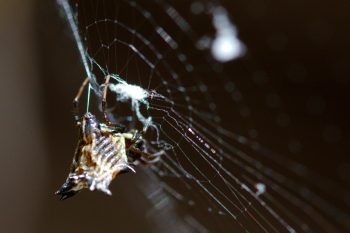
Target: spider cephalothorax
[(103, 151)]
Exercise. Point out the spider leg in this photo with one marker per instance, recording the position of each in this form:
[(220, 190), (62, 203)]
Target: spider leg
[(75, 110), (114, 128), (144, 157), (110, 124), (136, 137), (132, 137), (104, 101)]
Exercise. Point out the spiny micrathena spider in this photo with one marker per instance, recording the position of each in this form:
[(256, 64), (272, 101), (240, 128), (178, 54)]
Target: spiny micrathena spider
[(104, 150)]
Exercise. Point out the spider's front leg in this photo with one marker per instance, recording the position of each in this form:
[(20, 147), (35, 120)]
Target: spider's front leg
[(109, 123), (75, 110), (136, 136), (135, 147), (143, 157), (104, 101)]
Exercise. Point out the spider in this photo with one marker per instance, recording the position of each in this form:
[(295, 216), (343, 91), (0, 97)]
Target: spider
[(104, 150)]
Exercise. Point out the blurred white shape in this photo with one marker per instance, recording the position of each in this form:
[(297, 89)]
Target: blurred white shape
[(138, 97), (127, 91), (136, 94), (261, 188), (226, 46)]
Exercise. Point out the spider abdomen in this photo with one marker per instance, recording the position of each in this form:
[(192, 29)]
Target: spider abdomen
[(109, 152)]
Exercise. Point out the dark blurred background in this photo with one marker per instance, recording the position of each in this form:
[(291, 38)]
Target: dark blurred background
[(299, 57)]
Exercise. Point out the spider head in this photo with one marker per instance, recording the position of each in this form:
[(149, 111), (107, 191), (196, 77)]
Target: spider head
[(89, 127)]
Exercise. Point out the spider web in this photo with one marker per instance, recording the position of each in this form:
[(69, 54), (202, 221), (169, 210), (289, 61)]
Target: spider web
[(167, 60)]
